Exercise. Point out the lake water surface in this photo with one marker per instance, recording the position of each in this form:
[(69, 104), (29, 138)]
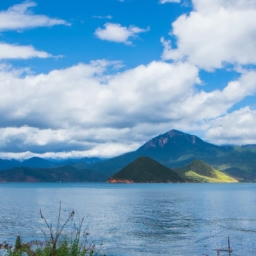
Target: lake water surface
[(138, 219)]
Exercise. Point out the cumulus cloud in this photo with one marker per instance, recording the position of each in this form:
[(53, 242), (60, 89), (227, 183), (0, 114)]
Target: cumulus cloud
[(116, 33), (208, 105), (169, 1), (73, 142), (9, 51), (236, 128), (86, 108), (84, 95), (20, 16), (215, 33)]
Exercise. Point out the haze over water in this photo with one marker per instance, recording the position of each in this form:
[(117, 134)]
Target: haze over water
[(139, 219)]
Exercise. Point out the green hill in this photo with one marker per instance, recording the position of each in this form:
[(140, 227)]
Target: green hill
[(199, 171), (143, 170)]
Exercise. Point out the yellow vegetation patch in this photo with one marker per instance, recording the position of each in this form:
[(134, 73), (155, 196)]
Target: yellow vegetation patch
[(220, 177)]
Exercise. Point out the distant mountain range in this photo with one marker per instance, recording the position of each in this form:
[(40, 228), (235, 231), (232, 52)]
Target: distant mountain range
[(173, 149), (37, 162), (59, 174)]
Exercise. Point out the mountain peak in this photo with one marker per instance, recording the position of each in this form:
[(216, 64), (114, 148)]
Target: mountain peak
[(201, 167), (177, 145), (174, 132), (171, 137)]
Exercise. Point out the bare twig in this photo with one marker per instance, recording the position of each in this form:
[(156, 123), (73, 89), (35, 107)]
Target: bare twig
[(59, 229)]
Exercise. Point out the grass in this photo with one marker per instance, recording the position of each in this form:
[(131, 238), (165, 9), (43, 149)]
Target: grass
[(199, 171), (219, 177), (56, 243)]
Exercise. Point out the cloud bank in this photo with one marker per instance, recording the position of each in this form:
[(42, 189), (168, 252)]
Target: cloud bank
[(84, 109)]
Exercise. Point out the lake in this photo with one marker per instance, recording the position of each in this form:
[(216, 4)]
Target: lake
[(138, 219)]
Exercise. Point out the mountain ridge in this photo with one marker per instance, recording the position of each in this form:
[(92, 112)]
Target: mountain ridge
[(176, 149), (38, 162), (58, 174)]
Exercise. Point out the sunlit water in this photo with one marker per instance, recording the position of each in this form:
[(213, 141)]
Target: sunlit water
[(139, 219)]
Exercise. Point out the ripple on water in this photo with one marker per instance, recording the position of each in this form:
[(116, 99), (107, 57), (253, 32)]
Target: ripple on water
[(139, 219)]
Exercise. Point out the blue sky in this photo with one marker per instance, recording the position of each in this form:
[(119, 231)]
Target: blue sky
[(78, 43), (100, 78)]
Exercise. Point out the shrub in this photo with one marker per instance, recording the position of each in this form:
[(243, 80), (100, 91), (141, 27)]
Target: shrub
[(56, 243)]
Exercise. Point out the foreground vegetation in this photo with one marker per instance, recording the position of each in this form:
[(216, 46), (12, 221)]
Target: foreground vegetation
[(56, 243)]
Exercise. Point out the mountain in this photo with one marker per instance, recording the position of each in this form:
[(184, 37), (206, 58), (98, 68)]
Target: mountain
[(144, 170), (172, 149), (176, 149), (37, 162), (8, 164), (90, 160), (176, 146), (71, 161), (85, 162), (199, 171), (63, 174)]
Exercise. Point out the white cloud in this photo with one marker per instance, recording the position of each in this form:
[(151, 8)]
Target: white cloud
[(215, 33), (8, 51), (60, 106), (20, 17), (103, 17), (209, 105), (85, 109), (169, 1), (213, 6), (117, 33), (61, 143), (236, 128), (96, 95)]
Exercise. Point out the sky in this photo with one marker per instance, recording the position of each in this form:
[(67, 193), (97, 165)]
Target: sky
[(102, 77)]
